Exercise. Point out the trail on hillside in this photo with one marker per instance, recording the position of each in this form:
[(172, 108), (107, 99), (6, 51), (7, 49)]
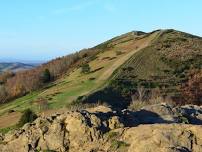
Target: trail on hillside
[(142, 44)]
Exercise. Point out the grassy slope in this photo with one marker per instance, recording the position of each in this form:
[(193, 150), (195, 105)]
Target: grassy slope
[(160, 54), (164, 64), (65, 90)]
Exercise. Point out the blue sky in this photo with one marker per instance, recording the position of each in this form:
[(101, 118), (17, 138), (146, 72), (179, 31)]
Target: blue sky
[(45, 29)]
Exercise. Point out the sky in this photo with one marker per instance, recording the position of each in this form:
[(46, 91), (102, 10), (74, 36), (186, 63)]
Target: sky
[(40, 30)]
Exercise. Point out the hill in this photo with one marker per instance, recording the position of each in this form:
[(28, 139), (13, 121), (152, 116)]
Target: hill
[(103, 59), (166, 63), (15, 66)]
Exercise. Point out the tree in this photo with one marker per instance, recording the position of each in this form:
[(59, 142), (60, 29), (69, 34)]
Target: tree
[(18, 90), (46, 76), (85, 68), (140, 94), (28, 116), (192, 90), (5, 75), (3, 94)]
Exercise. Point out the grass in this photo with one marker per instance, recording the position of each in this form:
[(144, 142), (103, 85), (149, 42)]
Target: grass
[(119, 145), (19, 104), (137, 105), (116, 145), (159, 66), (68, 88), (6, 130), (112, 135)]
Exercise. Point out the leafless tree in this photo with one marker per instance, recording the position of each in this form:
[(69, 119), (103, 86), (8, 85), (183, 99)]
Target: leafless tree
[(140, 94), (3, 94)]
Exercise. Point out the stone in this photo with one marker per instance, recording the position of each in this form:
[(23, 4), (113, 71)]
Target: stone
[(101, 130)]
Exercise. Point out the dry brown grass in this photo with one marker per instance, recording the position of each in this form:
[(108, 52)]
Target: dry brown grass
[(9, 119), (138, 104)]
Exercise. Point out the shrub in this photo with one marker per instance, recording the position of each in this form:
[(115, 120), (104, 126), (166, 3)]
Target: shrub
[(112, 135), (3, 94), (137, 105), (140, 94), (91, 79), (46, 76), (85, 68), (119, 53), (28, 116), (144, 96), (116, 144), (183, 119), (192, 89)]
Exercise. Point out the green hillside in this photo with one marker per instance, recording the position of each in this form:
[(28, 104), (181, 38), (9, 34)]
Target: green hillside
[(61, 93), (160, 59), (164, 64)]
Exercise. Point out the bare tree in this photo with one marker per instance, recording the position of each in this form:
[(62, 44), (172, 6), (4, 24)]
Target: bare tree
[(141, 93), (156, 97), (3, 94)]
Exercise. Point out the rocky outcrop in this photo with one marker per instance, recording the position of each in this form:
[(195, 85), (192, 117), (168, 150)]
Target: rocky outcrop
[(158, 127)]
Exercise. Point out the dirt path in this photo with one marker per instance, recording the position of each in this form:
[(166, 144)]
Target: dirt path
[(9, 120), (123, 59)]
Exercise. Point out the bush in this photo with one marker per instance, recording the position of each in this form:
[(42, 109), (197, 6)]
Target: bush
[(91, 79), (192, 89), (112, 135), (137, 105), (119, 53), (85, 68), (3, 94), (46, 76), (183, 119), (116, 144), (28, 116)]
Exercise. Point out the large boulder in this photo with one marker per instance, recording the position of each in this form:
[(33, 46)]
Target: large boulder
[(158, 113), (153, 128), (164, 138)]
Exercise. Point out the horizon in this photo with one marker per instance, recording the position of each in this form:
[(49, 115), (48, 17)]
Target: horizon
[(41, 31), (27, 61)]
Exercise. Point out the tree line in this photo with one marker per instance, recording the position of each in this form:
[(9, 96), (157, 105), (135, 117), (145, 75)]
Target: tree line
[(14, 85)]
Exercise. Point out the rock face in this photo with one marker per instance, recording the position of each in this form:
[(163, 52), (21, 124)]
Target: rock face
[(156, 128)]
